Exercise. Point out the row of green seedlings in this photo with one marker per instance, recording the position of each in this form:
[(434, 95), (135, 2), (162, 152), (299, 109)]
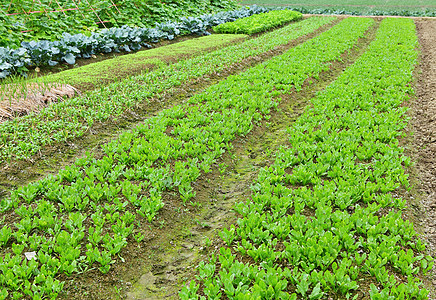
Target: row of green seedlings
[(84, 216), (17, 87), (325, 220), (259, 23), (23, 137), (367, 11)]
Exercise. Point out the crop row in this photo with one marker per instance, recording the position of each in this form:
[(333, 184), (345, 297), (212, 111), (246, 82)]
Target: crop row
[(367, 11), (98, 74), (70, 47), (84, 216), (259, 23), (71, 118), (325, 220)]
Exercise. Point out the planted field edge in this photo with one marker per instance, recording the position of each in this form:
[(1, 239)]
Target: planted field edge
[(107, 70), (20, 97), (339, 9), (418, 146)]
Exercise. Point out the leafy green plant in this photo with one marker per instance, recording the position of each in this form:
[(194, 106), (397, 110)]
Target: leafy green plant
[(5, 235), (260, 22)]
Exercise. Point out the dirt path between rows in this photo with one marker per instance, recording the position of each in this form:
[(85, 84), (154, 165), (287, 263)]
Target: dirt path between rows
[(423, 125)]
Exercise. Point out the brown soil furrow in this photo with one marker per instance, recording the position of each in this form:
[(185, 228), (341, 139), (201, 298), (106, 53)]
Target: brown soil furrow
[(21, 99), (424, 127)]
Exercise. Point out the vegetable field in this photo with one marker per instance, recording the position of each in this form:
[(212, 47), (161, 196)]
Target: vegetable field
[(355, 7), (277, 157)]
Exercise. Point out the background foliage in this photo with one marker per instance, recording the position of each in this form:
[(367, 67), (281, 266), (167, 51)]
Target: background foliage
[(355, 7), (50, 23), (124, 38)]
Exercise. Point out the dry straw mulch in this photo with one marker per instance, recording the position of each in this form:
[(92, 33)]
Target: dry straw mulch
[(18, 99)]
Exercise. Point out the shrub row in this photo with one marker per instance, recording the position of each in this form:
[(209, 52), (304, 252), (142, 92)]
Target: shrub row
[(24, 136), (325, 220), (123, 189), (259, 23)]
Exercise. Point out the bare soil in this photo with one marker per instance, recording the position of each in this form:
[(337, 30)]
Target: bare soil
[(20, 99), (423, 125)]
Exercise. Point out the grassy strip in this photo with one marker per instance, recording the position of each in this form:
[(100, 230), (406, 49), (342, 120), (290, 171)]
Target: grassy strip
[(23, 137), (96, 75), (365, 11), (102, 73), (259, 23), (326, 219), (84, 216)]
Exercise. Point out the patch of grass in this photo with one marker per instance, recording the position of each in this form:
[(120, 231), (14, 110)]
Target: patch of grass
[(102, 73)]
